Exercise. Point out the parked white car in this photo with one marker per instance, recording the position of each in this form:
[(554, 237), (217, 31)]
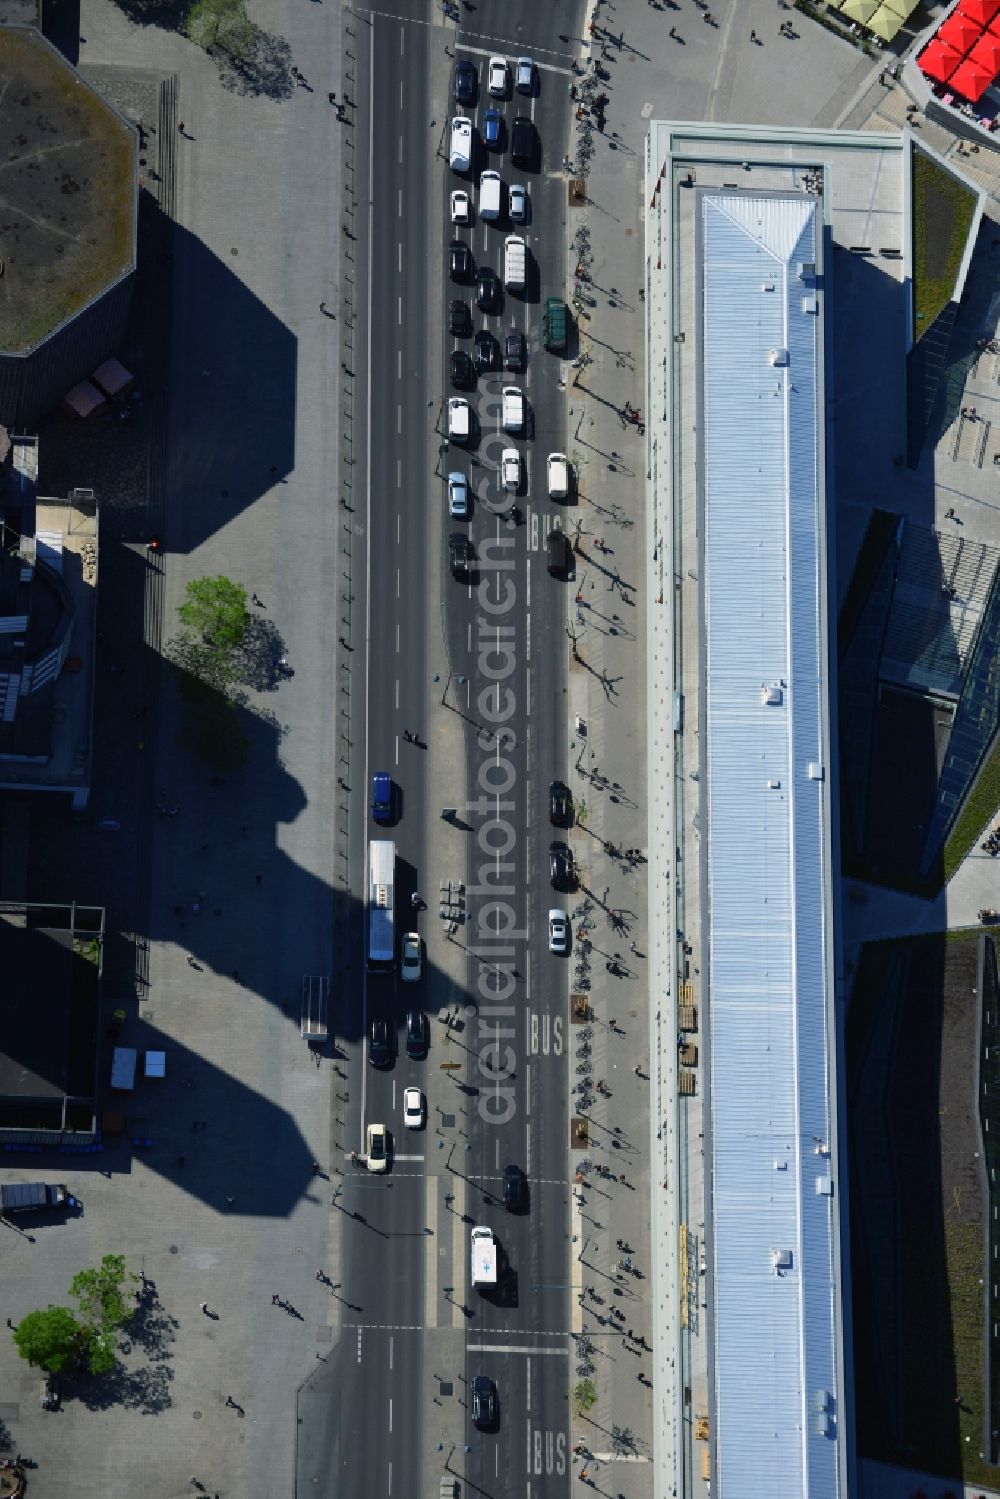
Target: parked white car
[(558, 932), (510, 468), (460, 155), (497, 77), (557, 474), (458, 496), (513, 409), (413, 1108), (461, 207), (377, 1147)]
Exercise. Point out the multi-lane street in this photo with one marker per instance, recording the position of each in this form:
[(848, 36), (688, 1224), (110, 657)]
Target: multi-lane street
[(476, 669)]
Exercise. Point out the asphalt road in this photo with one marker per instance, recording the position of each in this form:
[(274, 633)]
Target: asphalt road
[(503, 637)]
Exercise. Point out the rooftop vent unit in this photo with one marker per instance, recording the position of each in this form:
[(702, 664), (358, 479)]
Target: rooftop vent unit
[(771, 697), (807, 270), (778, 357), (781, 1260)]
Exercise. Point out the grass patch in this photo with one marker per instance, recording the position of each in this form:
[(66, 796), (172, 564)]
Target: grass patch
[(942, 213), (979, 806), (963, 1243)]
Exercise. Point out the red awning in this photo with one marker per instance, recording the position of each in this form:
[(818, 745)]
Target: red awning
[(980, 11), (970, 80), (960, 32), (938, 60), (986, 52)]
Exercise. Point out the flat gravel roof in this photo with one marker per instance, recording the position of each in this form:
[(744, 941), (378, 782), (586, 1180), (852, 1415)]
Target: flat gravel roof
[(67, 191)]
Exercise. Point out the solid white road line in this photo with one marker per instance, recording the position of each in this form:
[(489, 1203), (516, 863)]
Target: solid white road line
[(431, 1262), (459, 1260), (368, 548), (528, 1349)]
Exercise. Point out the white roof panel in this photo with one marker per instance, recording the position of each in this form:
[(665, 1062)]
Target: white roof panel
[(767, 846)]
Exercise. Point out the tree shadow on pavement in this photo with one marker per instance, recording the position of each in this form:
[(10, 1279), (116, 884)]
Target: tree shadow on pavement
[(145, 1389)]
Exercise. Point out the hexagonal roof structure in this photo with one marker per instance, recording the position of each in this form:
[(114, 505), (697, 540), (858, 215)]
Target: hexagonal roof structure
[(68, 191)]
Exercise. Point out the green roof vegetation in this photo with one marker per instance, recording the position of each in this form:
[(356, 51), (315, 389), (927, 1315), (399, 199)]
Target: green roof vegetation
[(979, 807), (68, 189), (943, 208)]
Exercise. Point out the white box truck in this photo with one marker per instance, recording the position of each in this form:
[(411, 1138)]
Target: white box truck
[(484, 1257), (489, 195), (458, 419), (513, 409), (515, 262)]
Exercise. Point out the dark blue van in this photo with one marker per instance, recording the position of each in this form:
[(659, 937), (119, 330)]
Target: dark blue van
[(382, 796)]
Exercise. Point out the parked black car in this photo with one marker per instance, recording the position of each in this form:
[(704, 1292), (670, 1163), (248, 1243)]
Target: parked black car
[(513, 349), (486, 351), (460, 370), (459, 554), (523, 142), (459, 318), (416, 1034), (484, 1401), (459, 260), (380, 1042), (515, 1189), (562, 871), (487, 289), (464, 82), (560, 804)]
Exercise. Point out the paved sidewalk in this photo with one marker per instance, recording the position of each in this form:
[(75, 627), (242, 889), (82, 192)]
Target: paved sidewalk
[(656, 63), (224, 1207), (606, 629)]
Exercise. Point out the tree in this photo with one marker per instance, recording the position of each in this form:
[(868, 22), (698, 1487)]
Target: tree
[(584, 1396), (99, 1294), (52, 1339), (216, 610)]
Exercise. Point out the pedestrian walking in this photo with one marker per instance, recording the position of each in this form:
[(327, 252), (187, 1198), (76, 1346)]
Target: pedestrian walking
[(753, 36), (9, 1322), (275, 1298), (316, 1168), (180, 127), (259, 878), (204, 1307)]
